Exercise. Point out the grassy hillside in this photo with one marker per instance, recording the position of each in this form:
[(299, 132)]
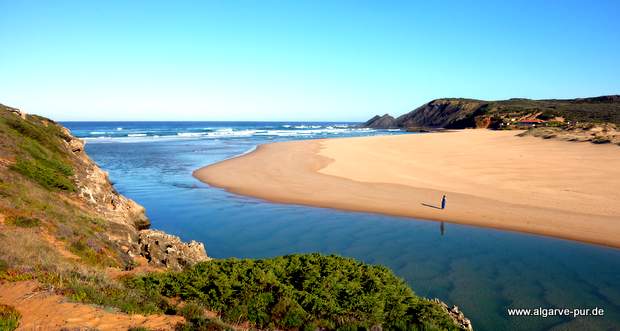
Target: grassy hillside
[(469, 113), (47, 232), (38, 197), (605, 109), (63, 225)]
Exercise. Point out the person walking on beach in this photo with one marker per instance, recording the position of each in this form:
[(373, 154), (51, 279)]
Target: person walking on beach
[(443, 202)]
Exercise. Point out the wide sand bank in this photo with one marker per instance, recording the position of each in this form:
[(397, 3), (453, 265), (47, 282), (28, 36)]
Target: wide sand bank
[(491, 178)]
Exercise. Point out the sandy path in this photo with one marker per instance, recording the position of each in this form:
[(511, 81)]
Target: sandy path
[(45, 311), (491, 178)]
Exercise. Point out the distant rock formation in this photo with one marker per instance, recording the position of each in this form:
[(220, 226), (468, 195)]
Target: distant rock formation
[(443, 113), (458, 113), (381, 122)]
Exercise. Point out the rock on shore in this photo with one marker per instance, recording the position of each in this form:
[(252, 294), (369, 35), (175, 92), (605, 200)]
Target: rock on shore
[(165, 250), (457, 316)]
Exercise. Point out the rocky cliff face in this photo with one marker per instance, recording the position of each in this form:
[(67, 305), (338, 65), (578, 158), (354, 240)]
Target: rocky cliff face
[(444, 113), (124, 220), (131, 225), (96, 191)]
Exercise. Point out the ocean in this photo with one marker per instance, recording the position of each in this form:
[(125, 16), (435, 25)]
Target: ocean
[(483, 271)]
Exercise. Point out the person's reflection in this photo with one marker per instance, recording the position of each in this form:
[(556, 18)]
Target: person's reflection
[(442, 228)]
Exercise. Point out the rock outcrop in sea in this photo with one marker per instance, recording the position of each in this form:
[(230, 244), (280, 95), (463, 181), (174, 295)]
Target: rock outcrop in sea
[(381, 122)]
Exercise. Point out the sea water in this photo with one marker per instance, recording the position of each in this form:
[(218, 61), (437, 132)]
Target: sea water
[(483, 271)]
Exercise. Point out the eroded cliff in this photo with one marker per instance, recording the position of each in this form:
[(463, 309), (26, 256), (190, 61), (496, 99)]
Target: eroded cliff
[(46, 177)]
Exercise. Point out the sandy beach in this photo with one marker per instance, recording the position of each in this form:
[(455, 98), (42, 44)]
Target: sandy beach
[(491, 179)]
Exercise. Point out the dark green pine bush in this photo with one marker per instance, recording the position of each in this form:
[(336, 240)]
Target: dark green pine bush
[(301, 291)]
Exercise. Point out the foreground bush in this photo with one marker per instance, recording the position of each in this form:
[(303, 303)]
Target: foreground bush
[(300, 291)]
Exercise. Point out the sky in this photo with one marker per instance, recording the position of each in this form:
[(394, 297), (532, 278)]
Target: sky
[(297, 60)]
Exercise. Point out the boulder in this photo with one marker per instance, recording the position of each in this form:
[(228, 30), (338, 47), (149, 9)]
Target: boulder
[(165, 250), (457, 316)]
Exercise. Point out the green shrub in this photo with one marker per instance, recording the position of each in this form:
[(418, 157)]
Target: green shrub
[(9, 318), (295, 291), (192, 310), (23, 221)]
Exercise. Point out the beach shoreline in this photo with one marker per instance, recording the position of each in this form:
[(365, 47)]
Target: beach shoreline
[(491, 178)]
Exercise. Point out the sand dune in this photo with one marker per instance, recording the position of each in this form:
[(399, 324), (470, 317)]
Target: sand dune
[(491, 178)]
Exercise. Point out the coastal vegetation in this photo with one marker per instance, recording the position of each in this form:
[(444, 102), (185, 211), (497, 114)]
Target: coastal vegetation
[(305, 291)]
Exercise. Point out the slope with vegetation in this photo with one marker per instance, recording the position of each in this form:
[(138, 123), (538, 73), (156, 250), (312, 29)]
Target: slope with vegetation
[(67, 232), (456, 113)]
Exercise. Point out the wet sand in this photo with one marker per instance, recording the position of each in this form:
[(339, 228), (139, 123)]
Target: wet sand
[(491, 179)]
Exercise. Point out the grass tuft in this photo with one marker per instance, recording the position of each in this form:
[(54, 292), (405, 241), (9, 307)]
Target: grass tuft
[(23, 221), (9, 318), (195, 319)]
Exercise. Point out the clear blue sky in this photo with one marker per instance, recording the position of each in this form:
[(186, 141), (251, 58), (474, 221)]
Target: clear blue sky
[(297, 60)]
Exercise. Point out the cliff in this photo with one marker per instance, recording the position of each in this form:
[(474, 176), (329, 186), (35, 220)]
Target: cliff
[(444, 113), (71, 198), (457, 113)]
